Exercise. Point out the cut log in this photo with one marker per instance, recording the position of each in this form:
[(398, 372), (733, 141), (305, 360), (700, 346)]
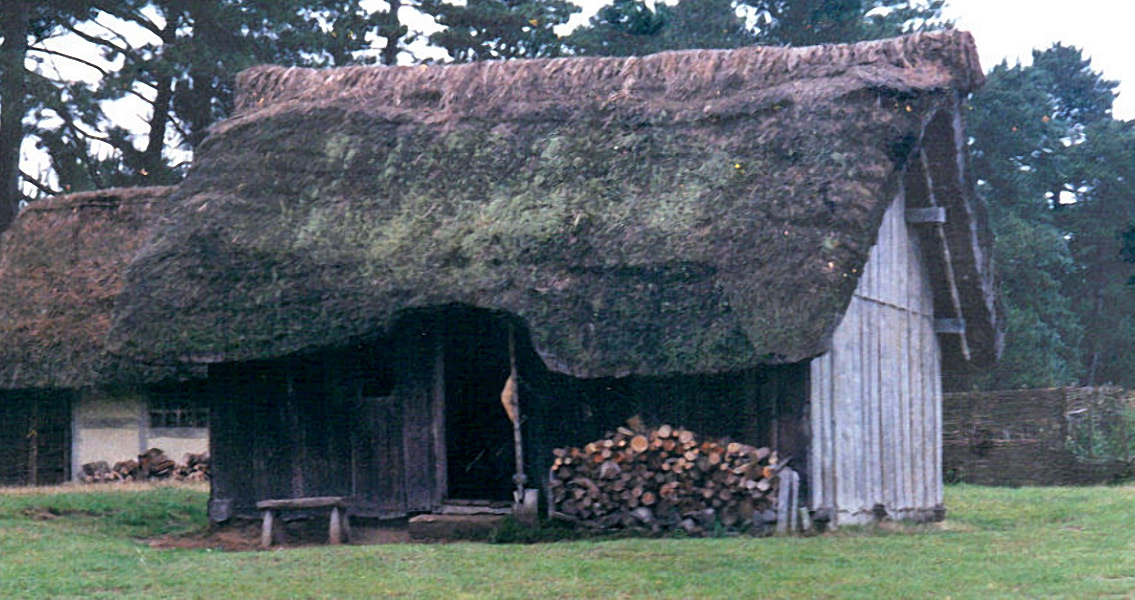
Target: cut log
[(667, 473)]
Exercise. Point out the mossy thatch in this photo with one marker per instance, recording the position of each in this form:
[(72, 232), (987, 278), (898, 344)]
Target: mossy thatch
[(61, 268), (695, 211)]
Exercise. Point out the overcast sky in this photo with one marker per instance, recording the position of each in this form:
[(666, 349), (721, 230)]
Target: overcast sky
[(1012, 28), (1004, 29)]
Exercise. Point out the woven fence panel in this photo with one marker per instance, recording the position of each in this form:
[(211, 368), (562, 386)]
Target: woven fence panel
[(1054, 436)]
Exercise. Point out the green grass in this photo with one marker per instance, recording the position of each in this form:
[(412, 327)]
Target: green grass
[(996, 543)]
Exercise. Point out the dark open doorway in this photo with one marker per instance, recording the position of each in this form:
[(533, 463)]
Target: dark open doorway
[(479, 439)]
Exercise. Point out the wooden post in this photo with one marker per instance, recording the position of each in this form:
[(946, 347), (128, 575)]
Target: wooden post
[(272, 531), (335, 533), (33, 443), (437, 423)]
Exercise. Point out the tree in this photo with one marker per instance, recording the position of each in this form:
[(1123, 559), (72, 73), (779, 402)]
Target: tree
[(180, 66), (23, 24), (1010, 122), (1080, 94), (14, 25), (1057, 172), (631, 27), (499, 29)]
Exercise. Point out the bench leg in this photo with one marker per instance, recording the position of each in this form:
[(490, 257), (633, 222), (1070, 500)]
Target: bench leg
[(266, 533), (335, 536)]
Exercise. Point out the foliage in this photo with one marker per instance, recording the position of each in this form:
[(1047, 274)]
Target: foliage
[(1057, 172), (176, 59), (810, 22), (1013, 134), (634, 27), (1104, 432), (494, 29), (995, 543)]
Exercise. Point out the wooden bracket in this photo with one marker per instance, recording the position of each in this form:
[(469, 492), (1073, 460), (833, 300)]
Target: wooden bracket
[(926, 216), (951, 326)]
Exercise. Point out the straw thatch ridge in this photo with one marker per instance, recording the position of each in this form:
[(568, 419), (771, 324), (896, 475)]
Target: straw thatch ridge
[(697, 211), (61, 268), (675, 82)]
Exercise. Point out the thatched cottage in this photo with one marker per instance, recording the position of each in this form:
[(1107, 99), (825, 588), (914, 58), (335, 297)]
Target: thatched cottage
[(65, 401), (780, 245)]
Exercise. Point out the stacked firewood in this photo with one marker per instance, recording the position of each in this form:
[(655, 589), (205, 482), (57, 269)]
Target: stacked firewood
[(665, 479), (152, 464)]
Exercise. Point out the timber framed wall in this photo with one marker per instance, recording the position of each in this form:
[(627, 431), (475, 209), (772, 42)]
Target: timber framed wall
[(35, 437), (117, 425), (373, 421), (876, 395)]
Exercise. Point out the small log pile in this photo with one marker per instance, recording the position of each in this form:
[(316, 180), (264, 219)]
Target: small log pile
[(150, 465), (665, 479)]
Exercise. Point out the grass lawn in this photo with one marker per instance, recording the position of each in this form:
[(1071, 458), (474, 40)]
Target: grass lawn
[(996, 543)]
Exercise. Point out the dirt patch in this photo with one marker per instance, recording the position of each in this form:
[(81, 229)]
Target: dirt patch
[(50, 513), (244, 536)]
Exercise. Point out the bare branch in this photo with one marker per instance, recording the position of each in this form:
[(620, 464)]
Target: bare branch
[(39, 185), (105, 43), (177, 125), (81, 61), (130, 16)]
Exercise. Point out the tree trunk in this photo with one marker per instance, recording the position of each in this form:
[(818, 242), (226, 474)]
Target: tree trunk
[(14, 15), (152, 160), (393, 28)]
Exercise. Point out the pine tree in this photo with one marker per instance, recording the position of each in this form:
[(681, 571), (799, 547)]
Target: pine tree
[(499, 29), (182, 67), (631, 27), (1010, 122)]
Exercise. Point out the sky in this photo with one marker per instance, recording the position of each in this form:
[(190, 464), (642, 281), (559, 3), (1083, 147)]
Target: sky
[(1003, 29), (1011, 29)]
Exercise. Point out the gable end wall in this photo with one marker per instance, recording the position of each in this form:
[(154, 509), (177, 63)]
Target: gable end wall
[(876, 396)]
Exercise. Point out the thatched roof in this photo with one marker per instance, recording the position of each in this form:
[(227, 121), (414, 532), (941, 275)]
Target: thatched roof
[(61, 267), (694, 211)]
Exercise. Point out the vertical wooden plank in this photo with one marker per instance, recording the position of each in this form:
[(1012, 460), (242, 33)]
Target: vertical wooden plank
[(929, 414), (867, 489), (889, 389), (935, 382), (844, 415), (416, 376), (437, 424), (816, 390), (32, 439), (903, 323), (913, 324), (297, 438), (871, 393), (77, 436)]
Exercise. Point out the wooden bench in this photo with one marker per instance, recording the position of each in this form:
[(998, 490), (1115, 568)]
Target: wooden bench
[(273, 531)]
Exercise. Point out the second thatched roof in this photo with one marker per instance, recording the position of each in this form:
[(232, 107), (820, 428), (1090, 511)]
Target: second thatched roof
[(61, 266), (696, 211)]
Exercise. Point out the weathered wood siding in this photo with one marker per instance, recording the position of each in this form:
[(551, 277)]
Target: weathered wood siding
[(35, 437), (876, 396)]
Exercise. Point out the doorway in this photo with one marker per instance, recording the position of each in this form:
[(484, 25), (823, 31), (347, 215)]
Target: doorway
[(479, 438)]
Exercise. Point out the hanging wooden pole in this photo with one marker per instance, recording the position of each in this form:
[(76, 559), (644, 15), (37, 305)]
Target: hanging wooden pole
[(510, 397)]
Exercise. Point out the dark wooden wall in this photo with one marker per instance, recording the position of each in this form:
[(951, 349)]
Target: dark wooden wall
[(35, 437), (400, 425)]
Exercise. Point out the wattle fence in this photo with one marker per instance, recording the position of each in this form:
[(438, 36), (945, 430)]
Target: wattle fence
[(1054, 436)]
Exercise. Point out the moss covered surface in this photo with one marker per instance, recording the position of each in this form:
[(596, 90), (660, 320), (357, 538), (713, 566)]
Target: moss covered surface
[(61, 267), (630, 238)]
